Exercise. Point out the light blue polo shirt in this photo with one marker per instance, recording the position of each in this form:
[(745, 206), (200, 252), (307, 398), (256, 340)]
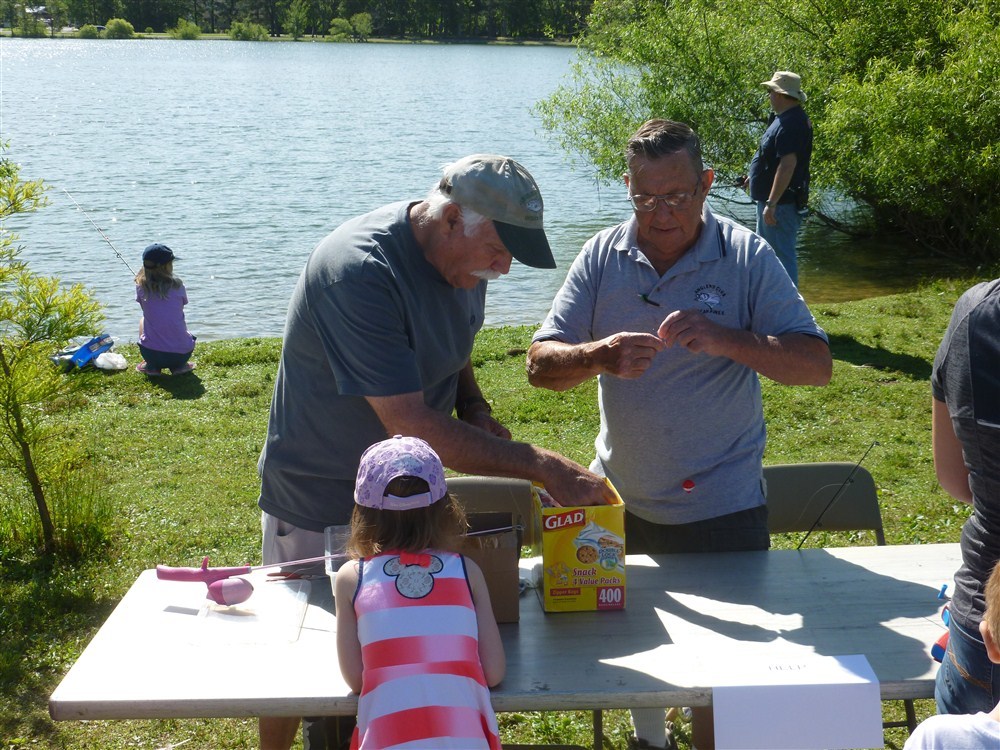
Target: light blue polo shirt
[(691, 416)]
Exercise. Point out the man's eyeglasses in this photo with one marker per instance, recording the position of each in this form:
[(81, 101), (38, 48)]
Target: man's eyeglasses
[(646, 203)]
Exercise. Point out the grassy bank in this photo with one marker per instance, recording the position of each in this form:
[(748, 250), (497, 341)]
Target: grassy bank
[(177, 459)]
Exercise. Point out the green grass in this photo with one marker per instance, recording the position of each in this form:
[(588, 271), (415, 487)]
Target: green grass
[(176, 460)]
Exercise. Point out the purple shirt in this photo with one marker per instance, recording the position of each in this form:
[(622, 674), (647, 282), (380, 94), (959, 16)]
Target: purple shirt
[(163, 328)]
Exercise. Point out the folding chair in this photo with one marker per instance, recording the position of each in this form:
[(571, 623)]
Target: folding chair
[(485, 494), (798, 494), (842, 496)]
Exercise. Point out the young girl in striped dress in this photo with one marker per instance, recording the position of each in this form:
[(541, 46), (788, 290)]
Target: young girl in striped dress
[(416, 637)]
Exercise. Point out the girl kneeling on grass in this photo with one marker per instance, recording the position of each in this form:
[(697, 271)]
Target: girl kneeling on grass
[(164, 340), (416, 637)]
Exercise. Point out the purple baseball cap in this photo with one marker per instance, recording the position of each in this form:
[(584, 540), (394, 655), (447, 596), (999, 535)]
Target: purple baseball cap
[(399, 457)]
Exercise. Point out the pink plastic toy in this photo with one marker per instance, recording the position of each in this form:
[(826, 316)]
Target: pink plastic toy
[(224, 584)]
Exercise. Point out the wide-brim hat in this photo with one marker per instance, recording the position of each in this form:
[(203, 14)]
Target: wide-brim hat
[(157, 255), (394, 458), (787, 83), (502, 190)]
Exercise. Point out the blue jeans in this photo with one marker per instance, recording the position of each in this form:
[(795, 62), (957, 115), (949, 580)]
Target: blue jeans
[(784, 236), (967, 681), (163, 360)]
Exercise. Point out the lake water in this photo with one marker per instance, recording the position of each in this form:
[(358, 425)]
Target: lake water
[(242, 156)]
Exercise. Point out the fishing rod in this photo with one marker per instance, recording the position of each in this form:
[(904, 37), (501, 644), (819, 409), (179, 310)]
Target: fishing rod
[(110, 243), (836, 495)]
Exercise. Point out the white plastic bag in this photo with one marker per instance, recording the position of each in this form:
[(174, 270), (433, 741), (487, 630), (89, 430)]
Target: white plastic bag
[(110, 361)]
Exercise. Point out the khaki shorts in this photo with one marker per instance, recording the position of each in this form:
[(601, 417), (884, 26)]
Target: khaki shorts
[(282, 541)]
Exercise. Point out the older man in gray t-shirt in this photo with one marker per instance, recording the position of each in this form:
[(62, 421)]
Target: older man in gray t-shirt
[(378, 342)]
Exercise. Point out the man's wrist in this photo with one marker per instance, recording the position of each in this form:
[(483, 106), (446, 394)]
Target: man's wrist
[(770, 204), (473, 403)]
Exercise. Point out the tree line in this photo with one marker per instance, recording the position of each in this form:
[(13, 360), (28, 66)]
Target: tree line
[(433, 19)]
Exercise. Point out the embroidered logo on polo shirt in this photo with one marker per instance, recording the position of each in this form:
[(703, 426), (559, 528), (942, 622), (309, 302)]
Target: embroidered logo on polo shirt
[(710, 296)]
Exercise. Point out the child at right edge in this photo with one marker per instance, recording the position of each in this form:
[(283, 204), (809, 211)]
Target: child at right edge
[(416, 636), (980, 731)]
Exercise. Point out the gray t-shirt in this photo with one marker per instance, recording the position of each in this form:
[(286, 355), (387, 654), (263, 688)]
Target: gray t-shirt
[(966, 377), (690, 416), (368, 317)]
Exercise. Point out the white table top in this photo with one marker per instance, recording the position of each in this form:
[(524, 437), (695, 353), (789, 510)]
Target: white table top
[(164, 653)]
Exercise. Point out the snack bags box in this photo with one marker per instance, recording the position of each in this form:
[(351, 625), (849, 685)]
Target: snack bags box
[(582, 553)]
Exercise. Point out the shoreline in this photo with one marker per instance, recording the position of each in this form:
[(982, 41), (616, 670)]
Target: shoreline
[(6, 32)]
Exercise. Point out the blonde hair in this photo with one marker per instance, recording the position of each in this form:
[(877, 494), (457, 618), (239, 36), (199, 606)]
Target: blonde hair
[(158, 279), (436, 526)]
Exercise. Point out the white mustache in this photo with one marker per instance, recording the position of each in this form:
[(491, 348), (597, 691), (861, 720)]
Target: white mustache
[(487, 275)]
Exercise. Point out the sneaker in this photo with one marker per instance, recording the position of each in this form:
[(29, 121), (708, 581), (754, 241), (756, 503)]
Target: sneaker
[(635, 743), (183, 369), (145, 370)]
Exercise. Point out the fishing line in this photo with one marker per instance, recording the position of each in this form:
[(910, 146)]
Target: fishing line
[(110, 243), (838, 493)]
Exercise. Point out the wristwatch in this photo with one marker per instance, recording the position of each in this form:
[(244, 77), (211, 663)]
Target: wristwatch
[(770, 204), (463, 405)]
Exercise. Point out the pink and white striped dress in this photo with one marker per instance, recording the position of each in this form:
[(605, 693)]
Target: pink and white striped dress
[(422, 686)]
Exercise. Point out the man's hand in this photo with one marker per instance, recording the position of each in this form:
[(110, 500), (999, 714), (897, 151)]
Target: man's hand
[(482, 419), (770, 217), (789, 358), (627, 355), (694, 331), (570, 484)]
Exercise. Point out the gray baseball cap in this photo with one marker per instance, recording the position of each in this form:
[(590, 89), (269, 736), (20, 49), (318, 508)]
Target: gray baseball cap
[(502, 190)]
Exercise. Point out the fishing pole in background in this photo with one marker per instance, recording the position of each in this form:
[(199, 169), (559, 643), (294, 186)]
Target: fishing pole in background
[(110, 243), (843, 486)]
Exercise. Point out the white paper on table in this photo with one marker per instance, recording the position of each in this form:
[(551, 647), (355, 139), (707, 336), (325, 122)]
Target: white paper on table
[(800, 702)]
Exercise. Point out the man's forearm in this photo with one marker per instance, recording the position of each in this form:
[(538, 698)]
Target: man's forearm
[(461, 446), (559, 366), (782, 178), (470, 450), (791, 359)]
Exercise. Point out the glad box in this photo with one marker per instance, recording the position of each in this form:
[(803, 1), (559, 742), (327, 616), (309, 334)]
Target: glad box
[(582, 553)]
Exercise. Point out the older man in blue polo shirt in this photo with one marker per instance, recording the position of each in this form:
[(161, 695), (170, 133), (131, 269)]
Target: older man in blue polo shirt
[(676, 311)]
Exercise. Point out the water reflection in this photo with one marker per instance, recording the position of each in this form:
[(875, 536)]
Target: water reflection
[(838, 267)]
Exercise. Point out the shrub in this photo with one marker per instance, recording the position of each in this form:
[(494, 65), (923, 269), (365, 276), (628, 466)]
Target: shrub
[(30, 26), (340, 30), (361, 24), (247, 31), (184, 30), (119, 28), (88, 31)]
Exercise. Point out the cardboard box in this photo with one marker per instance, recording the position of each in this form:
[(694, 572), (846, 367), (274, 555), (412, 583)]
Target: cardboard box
[(582, 556), (478, 494), (497, 554)]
